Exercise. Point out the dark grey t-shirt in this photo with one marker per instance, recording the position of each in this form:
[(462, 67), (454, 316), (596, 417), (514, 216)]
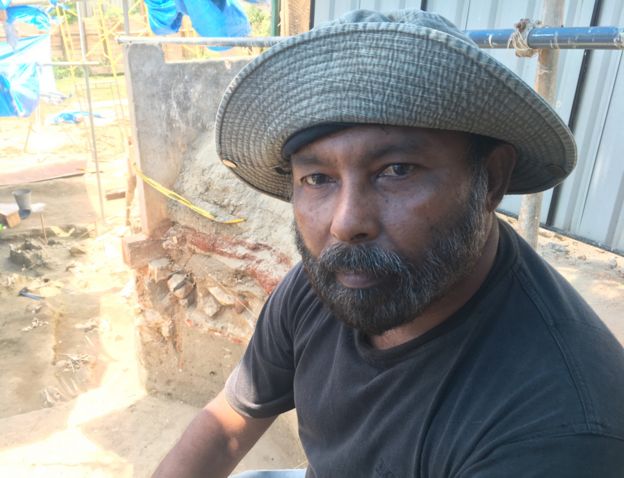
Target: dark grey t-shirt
[(524, 380)]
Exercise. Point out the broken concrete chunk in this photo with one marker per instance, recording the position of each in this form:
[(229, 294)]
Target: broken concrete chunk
[(209, 305), (176, 281), (222, 297), (158, 269), (179, 285)]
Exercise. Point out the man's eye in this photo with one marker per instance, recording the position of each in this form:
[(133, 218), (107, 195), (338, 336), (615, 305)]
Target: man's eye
[(315, 179), (397, 170)]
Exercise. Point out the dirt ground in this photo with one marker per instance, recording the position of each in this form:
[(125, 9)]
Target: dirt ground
[(72, 402)]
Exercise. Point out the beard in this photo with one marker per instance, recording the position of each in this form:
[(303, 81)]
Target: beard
[(406, 286)]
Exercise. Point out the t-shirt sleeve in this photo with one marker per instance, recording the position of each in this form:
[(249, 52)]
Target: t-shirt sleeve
[(261, 385), (573, 456)]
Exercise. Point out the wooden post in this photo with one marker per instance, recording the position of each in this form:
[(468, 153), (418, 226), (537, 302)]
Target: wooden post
[(546, 86), (295, 17)]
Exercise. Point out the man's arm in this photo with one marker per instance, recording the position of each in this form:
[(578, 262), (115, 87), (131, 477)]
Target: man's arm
[(213, 444)]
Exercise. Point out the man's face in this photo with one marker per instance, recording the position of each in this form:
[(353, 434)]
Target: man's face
[(387, 220)]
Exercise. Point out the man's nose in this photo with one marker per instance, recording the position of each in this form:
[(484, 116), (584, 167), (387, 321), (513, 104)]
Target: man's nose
[(355, 217)]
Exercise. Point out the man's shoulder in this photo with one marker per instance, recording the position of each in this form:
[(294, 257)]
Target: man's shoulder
[(564, 342), (554, 298), (293, 289)]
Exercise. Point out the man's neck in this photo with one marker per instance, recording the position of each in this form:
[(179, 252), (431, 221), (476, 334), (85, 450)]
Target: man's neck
[(451, 302)]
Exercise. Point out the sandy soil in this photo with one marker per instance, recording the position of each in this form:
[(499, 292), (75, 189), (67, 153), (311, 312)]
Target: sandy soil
[(72, 403)]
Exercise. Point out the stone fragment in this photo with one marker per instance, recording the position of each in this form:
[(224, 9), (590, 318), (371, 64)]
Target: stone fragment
[(209, 305), (176, 281), (139, 250), (179, 285), (613, 263), (77, 251), (560, 248), (27, 255), (222, 297), (158, 269)]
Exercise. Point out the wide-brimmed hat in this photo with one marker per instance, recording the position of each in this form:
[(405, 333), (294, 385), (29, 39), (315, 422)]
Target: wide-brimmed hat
[(407, 68)]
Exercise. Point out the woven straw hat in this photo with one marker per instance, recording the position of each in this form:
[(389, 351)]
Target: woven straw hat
[(408, 68)]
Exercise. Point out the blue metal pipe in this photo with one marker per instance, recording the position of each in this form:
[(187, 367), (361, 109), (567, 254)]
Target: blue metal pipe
[(584, 38)]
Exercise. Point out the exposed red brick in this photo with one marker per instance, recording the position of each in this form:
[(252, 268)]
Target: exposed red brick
[(230, 246), (267, 280), (139, 250)]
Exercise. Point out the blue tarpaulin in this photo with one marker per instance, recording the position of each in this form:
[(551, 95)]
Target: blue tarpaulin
[(72, 117), (210, 18), (28, 14), (20, 75)]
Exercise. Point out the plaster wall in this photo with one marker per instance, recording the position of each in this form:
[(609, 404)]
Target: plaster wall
[(204, 284)]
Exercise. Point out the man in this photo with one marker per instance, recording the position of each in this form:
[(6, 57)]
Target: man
[(420, 336)]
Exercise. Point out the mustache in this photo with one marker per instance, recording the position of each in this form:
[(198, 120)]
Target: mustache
[(361, 258)]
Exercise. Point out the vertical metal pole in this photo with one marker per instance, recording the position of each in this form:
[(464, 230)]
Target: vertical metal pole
[(275, 18), (85, 69), (126, 15), (546, 86)]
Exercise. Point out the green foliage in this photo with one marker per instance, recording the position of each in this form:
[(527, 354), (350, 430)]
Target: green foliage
[(61, 72), (260, 20)]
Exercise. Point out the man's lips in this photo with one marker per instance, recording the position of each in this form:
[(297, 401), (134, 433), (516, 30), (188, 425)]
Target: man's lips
[(357, 280)]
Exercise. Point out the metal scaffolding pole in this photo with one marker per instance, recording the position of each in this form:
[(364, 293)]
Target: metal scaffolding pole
[(85, 69), (204, 41), (126, 16), (563, 38), (546, 87)]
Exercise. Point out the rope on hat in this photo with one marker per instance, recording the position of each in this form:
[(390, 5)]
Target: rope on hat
[(180, 199), (519, 38)]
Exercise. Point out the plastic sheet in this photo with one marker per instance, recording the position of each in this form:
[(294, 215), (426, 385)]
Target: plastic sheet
[(210, 18), (31, 15), (72, 117), (20, 75)]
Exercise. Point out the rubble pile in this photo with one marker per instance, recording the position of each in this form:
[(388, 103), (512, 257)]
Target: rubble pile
[(199, 298)]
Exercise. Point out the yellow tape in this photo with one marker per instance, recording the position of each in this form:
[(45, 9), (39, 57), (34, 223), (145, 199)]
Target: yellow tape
[(182, 200)]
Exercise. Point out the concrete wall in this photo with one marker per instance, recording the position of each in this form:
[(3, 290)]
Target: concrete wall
[(201, 284)]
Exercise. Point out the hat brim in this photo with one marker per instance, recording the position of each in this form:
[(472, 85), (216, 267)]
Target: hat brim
[(391, 74)]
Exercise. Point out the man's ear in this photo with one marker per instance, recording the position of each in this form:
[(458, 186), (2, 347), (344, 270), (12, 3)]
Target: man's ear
[(500, 163)]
